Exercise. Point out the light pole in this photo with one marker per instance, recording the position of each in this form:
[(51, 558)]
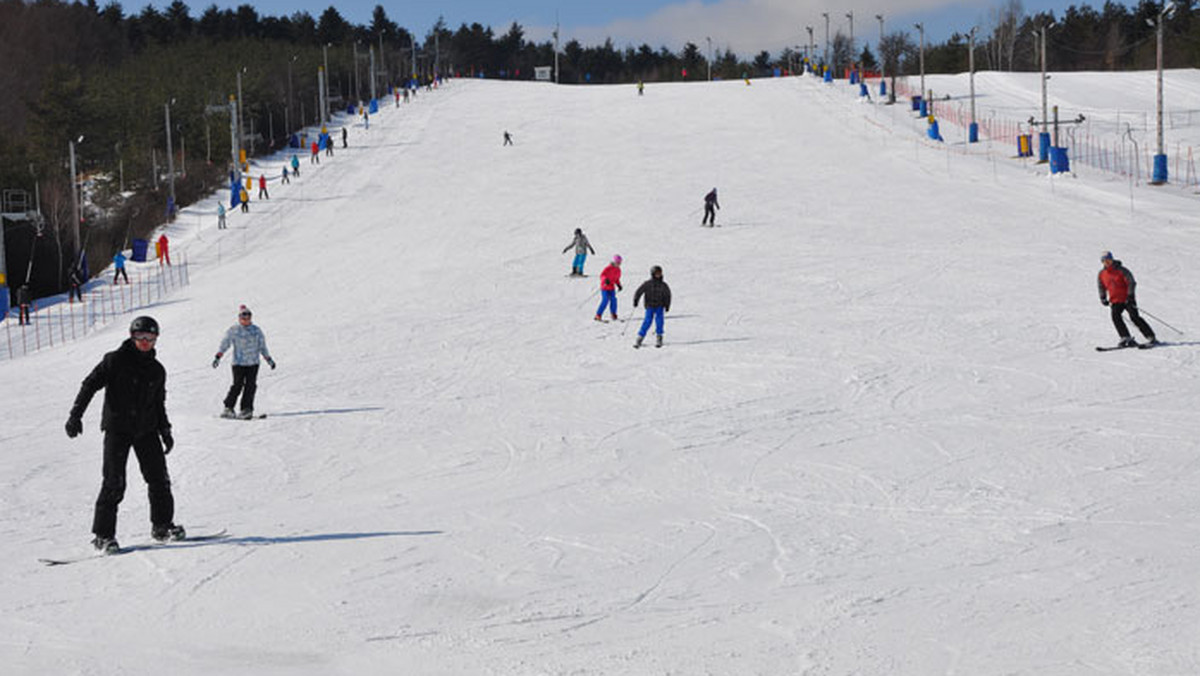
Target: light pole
[(812, 47), (325, 86), (710, 59), (1044, 135), (240, 133), (826, 15), (357, 95), (1160, 159), (924, 104), (850, 15), (287, 111), (76, 216), (973, 129), (170, 161)]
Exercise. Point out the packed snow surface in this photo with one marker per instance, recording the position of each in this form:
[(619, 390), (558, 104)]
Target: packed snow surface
[(878, 439)]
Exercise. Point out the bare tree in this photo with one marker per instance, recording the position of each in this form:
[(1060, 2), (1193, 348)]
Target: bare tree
[(896, 51), (1006, 20)]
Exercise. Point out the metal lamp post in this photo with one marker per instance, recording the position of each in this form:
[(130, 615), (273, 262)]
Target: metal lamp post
[(973, 129), (1044, 135), (76, 216), (710, 58), (850, 16), (826, 15), (882, 69), (325, 86), (812, 45), (924, 104), (170, 160)]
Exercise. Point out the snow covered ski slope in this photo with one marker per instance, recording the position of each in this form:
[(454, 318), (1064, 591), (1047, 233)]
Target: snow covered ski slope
[(878, 438)]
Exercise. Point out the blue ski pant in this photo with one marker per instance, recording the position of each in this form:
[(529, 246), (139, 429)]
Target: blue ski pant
[(653, 314), (607, 298), (578, 264)]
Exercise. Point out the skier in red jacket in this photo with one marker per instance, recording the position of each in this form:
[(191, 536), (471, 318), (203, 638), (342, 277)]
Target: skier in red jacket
[(610, 283), (1117, 285)]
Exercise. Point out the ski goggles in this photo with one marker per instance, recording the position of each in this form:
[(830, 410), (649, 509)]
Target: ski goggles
[(244, 315), (145, 337)]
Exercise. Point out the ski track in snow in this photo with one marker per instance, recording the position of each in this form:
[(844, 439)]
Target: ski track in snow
[(877, 440)]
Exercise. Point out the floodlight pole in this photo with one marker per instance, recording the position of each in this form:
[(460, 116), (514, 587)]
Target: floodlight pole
[(881, 62), (812, 46), (325, 85), (973, 129), (1160, 159), (826, 15), (921, 27), (76, 216), (850, 15), (710, 57), (170, 156)]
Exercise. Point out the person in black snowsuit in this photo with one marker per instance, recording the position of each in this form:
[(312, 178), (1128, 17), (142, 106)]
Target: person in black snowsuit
[(710, 208), (77, 280), (658, 302), (23, 302), (344, 137), (135, 416), (507, 138)]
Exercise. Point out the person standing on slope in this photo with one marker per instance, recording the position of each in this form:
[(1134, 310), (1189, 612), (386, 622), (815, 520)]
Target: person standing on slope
[(119, 267), (610, 283), (135, 416), (248, 344), (658, 301), (582, 247), (710, 208), (1117, 286)]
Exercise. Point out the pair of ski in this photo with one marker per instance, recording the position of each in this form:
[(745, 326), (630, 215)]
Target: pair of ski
[(1140, 346), (141, 547)]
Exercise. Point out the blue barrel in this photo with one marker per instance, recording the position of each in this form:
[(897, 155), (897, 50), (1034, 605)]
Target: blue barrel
[(1059, 163), (973, 133), (829, 75), (882, 88), (916, 104), (924, 106), (1160, 169), (862, 90), (139, 250)]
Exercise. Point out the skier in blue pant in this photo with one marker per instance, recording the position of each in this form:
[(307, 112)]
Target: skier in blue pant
[(582, 246), (658, 302)]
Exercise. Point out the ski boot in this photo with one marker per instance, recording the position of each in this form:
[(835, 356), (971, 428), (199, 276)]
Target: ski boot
[(638, 342), (614, 316), (245, 414), (105, 545), (658, 340), (599, 318), (169, 532), (228, 413), (1128, 341)]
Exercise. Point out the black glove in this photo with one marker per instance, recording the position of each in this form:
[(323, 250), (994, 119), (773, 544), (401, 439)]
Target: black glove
[(271, 363), (168, 441), (74, 426), (217, 360), (620, 288), (1104, 302)]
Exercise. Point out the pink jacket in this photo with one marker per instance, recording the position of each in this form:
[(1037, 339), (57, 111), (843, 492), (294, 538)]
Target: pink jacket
[(610, 278)]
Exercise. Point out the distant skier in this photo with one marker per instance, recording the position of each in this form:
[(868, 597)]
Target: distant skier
[(345, 136), (710, 208), (23, 302), (582, 247), (658, 302), (1117, 286), (295, 165), (641, 88), (135, 416), (610, 284), (77, 279), (315, 158), (262, 187), (119, 266), (245, 197), (284, 179), (248, 344), (507, 138), (221, 216), (164, 249)]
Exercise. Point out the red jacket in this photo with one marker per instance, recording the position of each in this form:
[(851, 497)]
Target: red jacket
[(611, 277), (1117, 282)]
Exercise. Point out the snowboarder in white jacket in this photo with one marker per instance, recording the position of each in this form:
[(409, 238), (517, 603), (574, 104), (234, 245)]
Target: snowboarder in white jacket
[(249, 344)]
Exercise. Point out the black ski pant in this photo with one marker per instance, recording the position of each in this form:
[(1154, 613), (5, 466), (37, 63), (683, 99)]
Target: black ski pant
[(1118, 309), (245, 383), (153, 463), (119, 274), (710, 215)]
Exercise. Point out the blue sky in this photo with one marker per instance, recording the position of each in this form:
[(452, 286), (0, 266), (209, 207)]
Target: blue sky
[(746, 26)]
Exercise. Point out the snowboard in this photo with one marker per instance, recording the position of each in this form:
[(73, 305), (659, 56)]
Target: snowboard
[(257, 416), (140, 547)]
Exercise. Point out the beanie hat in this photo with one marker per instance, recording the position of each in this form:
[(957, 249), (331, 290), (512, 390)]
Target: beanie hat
[(1106, 256), (243, 310)]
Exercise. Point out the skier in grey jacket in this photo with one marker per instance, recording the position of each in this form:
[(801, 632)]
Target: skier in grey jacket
[(582, 247), (248, 344)]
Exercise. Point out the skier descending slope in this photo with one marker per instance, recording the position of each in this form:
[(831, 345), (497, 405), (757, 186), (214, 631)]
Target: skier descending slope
[(248, 344), (610, 283), (710, 208), (582, 247), (1117, 286), (658, 301), (135, 415)]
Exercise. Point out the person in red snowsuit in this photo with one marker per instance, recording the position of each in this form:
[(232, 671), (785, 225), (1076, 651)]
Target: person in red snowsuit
[(610, 283), (315, 157), (262, 187), (1117, 290), (164, 251)]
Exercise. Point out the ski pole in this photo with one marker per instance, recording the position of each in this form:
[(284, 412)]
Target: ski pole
[(585, 300), (1151, 315)]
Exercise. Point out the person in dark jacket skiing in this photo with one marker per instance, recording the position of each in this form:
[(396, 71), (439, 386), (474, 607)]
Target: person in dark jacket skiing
[(658, 301), (1117, 290), (23, 302), (582, 247), (77, 280), (249, 344), (710, 208), (135, 416)]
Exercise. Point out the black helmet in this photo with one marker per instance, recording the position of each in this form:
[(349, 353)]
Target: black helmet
[(656, 271), (144, 324), (578, 231)]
